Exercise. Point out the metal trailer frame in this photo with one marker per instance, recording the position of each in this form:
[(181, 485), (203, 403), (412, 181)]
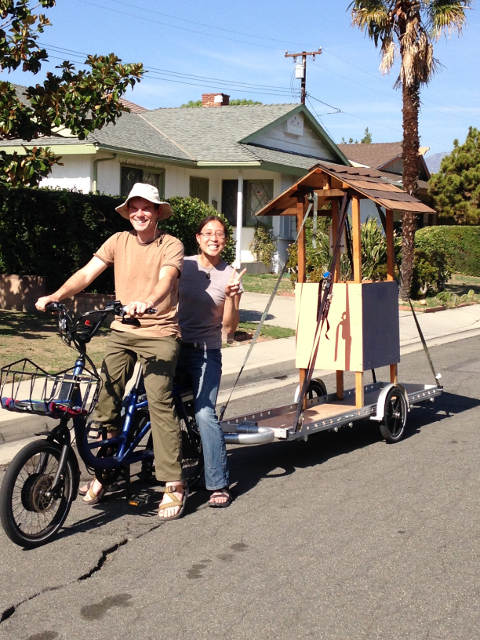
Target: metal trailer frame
[(251, 428)]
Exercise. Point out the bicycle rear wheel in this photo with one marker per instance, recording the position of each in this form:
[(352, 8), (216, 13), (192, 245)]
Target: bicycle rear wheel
[(30, 512), (192, 454)]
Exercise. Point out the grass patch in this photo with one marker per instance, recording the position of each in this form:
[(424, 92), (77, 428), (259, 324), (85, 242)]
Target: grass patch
[(34, 336), (264, 283), (459, 290), (267, 331)]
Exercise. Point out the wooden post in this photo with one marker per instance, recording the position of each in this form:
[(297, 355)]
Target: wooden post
[(357, 277), (390, 245), (301, 270), (340, 385), (336, 278), (359, 398), (393, 373), (356, 237), (335, 224), (301, 240)]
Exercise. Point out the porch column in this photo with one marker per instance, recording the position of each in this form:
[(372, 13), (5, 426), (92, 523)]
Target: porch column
[(238, 239)]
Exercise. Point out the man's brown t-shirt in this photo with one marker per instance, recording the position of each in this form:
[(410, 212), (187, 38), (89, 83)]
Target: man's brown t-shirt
[(137, 270)]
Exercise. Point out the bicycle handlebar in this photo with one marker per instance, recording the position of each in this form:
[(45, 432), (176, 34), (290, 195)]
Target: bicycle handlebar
[(80, 329)]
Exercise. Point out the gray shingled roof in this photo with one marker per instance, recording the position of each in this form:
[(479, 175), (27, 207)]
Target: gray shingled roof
[(194, 134), (213, 133)]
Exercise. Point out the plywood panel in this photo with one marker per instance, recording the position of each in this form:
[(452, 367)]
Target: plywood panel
[(362, 331)]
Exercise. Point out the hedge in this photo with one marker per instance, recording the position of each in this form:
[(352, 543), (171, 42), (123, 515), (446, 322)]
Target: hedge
[(52, 233), (460, 244)]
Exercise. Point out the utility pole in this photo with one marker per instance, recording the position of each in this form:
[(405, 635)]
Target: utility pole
[(301, 70)]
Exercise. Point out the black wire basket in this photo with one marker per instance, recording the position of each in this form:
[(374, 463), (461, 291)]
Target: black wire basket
[(26, 387)]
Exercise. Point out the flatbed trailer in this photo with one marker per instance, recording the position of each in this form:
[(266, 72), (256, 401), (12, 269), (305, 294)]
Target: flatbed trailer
[(383, 404), (349, 325)]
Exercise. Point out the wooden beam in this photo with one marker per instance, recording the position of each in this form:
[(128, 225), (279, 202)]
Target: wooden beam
[(390, 245), (356, 237), (330, 193)]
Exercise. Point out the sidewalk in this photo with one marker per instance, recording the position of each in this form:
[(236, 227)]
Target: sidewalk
[(276, 358)]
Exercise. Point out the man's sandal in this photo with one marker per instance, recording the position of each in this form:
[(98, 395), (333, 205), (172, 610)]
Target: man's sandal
[(220, 493), (173, 503)]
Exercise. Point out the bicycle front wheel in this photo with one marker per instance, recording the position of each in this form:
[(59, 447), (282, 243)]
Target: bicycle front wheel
[(30, 512)]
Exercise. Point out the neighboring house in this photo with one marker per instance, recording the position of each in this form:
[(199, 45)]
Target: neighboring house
[(236, 158), (386, 157)]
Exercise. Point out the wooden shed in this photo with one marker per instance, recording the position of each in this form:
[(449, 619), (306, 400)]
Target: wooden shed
[(362, 330)]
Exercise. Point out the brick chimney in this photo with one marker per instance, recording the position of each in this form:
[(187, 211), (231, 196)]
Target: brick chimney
[(215, 99)]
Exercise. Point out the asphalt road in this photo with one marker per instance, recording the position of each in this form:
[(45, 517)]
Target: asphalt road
[(342, 537)]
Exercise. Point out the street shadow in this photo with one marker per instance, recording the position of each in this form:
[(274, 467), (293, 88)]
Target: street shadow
[(249, 465), (247, 315)]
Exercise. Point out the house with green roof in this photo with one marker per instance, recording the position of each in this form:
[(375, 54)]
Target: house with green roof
[(236, 158)]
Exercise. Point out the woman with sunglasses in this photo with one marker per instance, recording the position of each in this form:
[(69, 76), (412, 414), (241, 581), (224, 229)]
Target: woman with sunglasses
[(209, 301)]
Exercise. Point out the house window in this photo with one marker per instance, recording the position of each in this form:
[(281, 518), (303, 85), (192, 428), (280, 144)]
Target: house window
[(199, 188), (130, 175), (256, 194)]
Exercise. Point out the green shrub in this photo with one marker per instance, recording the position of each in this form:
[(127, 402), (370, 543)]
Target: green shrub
[(318, 255), (187, 215), (263, 245), (460, 245), (52, 233), (430, 272)]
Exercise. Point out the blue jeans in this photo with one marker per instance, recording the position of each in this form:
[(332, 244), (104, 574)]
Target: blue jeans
[(203, 367)]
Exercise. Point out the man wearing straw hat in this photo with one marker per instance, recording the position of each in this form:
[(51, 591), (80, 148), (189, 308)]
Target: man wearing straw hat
[(147, 264)]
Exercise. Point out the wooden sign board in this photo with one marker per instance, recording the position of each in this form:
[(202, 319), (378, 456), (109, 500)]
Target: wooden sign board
[(363, 328)]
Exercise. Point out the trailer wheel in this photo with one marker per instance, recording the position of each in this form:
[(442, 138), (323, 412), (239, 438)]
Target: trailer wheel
[(392, 427), (316, 389)]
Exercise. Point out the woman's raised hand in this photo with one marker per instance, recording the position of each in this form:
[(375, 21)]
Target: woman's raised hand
[(233, 286)]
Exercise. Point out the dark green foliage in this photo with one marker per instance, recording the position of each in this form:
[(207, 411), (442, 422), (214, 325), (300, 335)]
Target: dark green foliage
[(318, 258), (455, 189), (460, 245), (188, 213), (81, 101), (53, 233)]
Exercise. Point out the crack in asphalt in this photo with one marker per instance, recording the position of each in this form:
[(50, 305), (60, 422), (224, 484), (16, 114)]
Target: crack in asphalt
[(9, 611)]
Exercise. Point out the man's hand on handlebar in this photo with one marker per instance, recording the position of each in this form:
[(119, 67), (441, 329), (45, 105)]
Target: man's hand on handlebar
[(137, 308), (41, 303)]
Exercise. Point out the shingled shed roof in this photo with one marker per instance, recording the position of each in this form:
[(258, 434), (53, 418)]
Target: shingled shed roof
[(334, 180)]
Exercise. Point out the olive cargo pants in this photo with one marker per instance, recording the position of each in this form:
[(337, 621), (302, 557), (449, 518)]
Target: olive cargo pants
[(158, 359)]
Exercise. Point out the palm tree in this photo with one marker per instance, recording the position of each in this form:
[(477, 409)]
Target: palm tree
[(409, 27)]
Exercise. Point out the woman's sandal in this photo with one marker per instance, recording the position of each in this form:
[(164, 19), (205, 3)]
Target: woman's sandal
[(220, 493), (82, 491), (173, 502), (93, 498)]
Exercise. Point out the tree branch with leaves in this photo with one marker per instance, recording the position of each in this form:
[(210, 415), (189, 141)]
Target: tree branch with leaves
[(78, 100)]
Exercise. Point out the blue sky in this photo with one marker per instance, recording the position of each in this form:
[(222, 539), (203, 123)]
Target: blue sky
[(192, 47)]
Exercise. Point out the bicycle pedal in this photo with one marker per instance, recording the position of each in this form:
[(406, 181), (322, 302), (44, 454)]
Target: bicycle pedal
[(138, 501)]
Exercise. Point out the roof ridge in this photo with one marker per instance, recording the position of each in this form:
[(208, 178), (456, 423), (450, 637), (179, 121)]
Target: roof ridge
[(140, 115)]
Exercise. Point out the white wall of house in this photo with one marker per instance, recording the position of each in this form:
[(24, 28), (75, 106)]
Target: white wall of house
[(73, 175)]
